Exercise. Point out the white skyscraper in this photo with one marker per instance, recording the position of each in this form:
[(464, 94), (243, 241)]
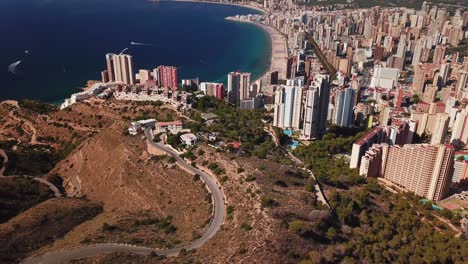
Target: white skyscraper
[(440, 129), (460, 128), (316, 107), (344, 100), (311, 112), (420, 44), (401, 50), (367, 28), (288, 106)]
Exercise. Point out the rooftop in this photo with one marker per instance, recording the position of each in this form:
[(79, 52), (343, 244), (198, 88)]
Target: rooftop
[(188, 136), (208, 116), (367, 136)]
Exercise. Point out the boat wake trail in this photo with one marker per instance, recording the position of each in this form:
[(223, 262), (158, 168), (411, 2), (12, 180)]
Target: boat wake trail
[(12, 67), (140, 44), (123, 51)]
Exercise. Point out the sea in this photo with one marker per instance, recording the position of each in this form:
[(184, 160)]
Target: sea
[(49, 49)]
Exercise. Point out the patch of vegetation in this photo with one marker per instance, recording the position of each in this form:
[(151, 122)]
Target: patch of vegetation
[(268, 201), (250, 178), (246, 227), (214, 167), (162, 223), (234, 124), (19, 194), (329, 170), (39, 107), (31, 160), (230, 210), (196, 177), (373, 226), (174, 140), (108, 228)]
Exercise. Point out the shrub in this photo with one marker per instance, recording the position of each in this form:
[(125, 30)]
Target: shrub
[(246, 227), (268, 201), (196, 177), (297, 226), (250, 178), (108, 228)]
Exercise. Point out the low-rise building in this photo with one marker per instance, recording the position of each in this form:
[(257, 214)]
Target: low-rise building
[(188, 139), (173, 127), (140, 125)]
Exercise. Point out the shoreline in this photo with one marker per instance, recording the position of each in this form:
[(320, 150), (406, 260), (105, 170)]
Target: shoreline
[(271, 31), (279, 49), (263, 11)]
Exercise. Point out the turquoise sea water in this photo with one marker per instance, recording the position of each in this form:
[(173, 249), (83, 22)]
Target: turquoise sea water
[(62, 43)]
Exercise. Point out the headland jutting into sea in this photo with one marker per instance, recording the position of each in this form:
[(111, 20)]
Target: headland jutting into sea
[(54, 65), (278, 60)]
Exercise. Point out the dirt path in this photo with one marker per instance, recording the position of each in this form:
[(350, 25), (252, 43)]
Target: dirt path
[(75, 179), (5, 160), (31, 130)]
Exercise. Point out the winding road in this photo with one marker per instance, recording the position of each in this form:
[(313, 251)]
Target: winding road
[(51, 186), (218, 215)]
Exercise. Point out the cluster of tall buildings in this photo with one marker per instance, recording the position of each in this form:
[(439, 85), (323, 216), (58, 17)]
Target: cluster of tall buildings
[(310, 106), (120, 70), (242, 92), (397, 73)]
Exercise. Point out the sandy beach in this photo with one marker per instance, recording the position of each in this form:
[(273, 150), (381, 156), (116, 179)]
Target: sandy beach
[(223, 3), (279, 47)]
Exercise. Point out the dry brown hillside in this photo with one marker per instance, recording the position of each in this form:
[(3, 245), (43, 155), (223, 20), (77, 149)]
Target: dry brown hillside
[(19, 194), (41, 225), (133, 186)]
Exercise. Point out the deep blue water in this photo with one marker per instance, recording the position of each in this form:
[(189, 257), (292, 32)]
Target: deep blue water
[(62, 43)]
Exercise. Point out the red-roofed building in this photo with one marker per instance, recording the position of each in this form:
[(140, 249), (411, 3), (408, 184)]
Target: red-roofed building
[(375, 136), (423, 107)]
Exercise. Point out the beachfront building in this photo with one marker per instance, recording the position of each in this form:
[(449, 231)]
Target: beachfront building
[(119, 68), (166, 76)]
